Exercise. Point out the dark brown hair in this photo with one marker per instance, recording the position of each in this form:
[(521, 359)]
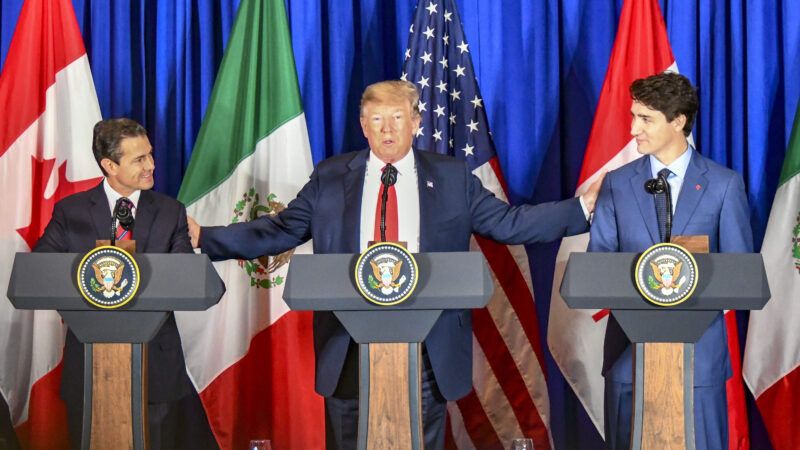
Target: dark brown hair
[(107, 137), (670, 93)]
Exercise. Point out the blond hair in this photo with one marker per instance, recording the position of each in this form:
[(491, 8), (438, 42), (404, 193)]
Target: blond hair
[(391, 90)]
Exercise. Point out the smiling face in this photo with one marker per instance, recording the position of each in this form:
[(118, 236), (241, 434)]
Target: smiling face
[(389, 126), (135, 168), (655, 135)]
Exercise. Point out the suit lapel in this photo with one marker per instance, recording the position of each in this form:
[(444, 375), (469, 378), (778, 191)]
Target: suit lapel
[(353, 190), (427, 198), (146, 212), (647, 206), (100, 213), (690, 196)]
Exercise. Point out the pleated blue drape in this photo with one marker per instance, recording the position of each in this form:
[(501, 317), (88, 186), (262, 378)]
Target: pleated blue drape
[(540, 64)]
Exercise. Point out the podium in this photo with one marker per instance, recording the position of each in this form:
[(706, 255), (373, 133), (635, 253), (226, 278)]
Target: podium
[(115, 404), (389, 337), (663, 409)]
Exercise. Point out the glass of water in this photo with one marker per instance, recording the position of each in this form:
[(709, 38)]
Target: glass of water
[(522, 444), (263, 444)]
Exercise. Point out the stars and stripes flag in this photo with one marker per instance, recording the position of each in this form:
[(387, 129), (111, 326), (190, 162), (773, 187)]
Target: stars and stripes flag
[(509, 397)]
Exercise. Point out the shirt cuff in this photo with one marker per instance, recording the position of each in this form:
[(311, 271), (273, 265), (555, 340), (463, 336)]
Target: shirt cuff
[(586, 213)]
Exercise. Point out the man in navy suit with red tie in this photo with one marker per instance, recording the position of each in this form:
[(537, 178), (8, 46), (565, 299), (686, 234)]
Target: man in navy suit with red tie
[(438, 204), (123, 152)]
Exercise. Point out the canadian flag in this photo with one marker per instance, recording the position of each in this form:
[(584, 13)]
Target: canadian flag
[(48, 107), (575, 337)]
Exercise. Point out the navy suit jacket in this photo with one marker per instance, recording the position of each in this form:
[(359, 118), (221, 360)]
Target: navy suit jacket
[(453, 205), (81, 219), (712, 202)]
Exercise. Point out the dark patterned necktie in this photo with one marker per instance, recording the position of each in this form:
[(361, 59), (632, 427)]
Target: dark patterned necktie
[(661, 206)]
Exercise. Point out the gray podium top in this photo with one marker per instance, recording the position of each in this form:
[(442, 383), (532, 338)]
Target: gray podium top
[(170, 282), (725, 281), (605, 281), (453, 280)]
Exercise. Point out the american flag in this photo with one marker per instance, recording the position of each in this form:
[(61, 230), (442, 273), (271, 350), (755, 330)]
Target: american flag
[(509, 397)]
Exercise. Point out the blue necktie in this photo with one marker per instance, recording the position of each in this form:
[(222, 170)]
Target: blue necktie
[(661, 206)]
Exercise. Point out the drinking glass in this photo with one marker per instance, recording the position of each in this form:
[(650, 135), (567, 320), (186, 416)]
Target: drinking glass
[(263, 444), (522, 444)]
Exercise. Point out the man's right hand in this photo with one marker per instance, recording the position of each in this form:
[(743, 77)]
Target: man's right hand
[(194, 232)]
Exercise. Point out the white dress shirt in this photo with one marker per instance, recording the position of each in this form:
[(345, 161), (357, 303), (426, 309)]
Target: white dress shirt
[(112, 196), (678, 169), (407, 191)]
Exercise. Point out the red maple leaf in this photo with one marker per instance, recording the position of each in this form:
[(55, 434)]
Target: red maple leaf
[(41, 207)]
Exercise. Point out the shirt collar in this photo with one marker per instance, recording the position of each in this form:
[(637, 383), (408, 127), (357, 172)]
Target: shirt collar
[(113, 195), (404, 167), (678, 167)]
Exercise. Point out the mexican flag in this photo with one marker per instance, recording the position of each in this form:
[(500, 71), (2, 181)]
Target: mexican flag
[(772, 354), (250, 358)]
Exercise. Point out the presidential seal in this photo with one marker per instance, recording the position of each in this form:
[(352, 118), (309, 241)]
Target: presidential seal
[(666, 274), (108, 277), (386, 274)]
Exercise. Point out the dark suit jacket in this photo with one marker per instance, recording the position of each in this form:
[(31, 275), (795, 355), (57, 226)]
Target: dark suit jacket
[(712, 202), (160, 227), (453, 205)]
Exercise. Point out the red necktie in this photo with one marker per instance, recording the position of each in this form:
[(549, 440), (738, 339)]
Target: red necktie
[(391, 215), (122, 235)]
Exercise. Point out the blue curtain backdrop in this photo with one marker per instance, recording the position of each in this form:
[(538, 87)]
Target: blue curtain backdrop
[(540, 64)]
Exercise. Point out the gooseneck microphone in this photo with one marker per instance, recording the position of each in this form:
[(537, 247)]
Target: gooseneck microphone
[(122, 214), (657, 187), (388, 178)]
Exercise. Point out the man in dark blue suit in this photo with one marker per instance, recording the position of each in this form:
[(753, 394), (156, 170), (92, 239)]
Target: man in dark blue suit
[(709, 200), (123, 152), (440, 205)]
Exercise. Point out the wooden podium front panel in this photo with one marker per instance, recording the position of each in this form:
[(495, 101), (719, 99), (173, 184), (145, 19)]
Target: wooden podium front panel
[(389, 405), (663, 420), (664, 402), (112, 425)]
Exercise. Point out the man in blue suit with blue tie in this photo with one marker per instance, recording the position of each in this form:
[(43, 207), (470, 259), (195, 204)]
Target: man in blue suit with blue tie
[(439, 205), (708, 199)]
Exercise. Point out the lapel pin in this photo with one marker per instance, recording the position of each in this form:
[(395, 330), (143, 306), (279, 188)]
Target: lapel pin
[(697, 187), (429, 184)]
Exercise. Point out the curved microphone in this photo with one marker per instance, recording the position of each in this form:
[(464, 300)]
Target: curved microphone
[(660, 185), (122, 214), (388, 178), (389, 175), (656, 186)]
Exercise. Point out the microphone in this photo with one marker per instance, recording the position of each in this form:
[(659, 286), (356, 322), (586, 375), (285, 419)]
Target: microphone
[(388, 178), (659, 186), (123, 213), (656, 186)]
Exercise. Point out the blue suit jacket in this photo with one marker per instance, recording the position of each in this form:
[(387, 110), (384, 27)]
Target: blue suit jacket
[(712, 202), (453, 204)]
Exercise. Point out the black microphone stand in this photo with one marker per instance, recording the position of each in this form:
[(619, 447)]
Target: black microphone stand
[(388, 178), (668, 199), (660, 185)]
